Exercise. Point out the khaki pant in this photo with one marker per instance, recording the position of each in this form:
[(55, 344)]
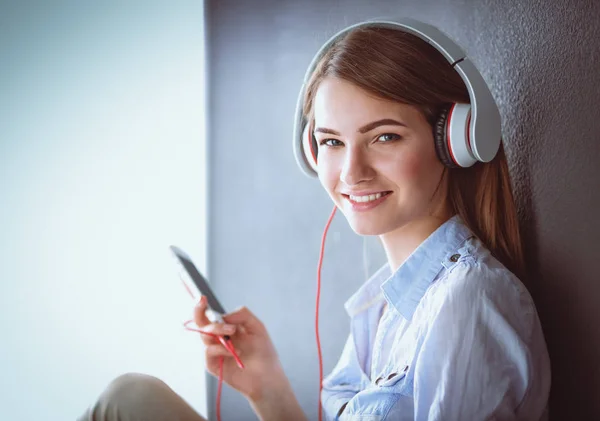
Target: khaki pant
[(139, 397)]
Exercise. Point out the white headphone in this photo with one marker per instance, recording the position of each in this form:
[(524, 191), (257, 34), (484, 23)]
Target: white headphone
[(463, 133)]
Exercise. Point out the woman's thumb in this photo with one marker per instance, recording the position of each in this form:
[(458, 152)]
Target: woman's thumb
[(243, 316)]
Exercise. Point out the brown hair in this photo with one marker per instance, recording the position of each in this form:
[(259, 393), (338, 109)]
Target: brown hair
[(398, 66)]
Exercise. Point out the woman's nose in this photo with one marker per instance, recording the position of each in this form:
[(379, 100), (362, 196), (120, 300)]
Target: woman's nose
[(356, 167)]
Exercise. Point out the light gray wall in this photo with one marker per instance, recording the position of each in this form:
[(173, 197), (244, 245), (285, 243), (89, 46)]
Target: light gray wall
[(541, 59), (102, 167)]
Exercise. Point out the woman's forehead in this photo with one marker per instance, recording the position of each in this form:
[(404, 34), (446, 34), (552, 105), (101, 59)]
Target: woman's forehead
[(339, 102)]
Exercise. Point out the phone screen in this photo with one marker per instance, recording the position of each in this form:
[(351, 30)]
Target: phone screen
[(199, 282)]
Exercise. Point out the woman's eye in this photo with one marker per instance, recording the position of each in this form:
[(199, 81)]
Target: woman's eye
[(330, 142), (388, 137)]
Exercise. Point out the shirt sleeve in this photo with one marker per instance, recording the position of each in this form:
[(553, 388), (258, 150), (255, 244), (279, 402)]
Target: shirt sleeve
[(342, 384), (475, 361)]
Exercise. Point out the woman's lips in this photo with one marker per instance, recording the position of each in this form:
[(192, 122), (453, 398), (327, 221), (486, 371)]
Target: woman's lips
[(367, 202)]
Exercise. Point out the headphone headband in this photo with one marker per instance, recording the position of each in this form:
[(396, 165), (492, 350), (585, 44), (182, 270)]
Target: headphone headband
[(484, 130)]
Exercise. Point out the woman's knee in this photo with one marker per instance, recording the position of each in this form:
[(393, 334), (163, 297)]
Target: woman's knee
[(135, 380), (135, 388), (135, 396)]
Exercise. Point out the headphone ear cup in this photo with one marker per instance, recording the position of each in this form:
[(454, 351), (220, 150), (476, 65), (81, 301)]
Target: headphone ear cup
[(440, 136), (309, 147)]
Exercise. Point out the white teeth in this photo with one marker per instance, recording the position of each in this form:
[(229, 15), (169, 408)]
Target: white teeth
[(366, 198)]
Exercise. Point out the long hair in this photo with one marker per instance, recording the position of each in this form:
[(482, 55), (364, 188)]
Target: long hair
[(397, 66)]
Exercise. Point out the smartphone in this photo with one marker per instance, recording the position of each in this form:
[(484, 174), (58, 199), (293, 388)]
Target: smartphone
[(199, 285)]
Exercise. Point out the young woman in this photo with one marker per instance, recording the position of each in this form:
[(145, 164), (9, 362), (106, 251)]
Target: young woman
[(445, 330)]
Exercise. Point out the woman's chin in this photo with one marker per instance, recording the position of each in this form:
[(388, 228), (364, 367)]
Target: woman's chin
[(362, 228)]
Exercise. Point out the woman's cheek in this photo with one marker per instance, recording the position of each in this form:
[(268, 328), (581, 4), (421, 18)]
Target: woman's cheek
[(327, 177), (408, 168), (420, 167)]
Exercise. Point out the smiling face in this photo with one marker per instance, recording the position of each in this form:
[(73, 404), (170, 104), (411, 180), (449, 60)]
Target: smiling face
[(376, 158)]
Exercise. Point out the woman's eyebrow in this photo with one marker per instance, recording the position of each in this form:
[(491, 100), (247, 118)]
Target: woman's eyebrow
[(327, 131), (366, 128), (384, 122)]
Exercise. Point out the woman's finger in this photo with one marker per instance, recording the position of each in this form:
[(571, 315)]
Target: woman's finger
[(218, 350), (200, 313), (243, 316), (220, 329), (208, 340)]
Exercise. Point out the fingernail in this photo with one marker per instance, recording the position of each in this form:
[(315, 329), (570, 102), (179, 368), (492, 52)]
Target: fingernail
[(229, 329)]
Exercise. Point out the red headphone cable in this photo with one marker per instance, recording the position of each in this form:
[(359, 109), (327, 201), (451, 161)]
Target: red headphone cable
[(321, 253)]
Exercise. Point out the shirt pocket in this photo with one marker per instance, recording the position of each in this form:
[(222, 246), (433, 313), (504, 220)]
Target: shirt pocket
[(392, 378), (342, 386), (341, 382)]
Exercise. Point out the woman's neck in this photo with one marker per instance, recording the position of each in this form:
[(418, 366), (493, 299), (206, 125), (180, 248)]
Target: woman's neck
[(400, 243)]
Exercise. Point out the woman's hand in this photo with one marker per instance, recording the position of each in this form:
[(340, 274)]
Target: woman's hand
[(262, 372)]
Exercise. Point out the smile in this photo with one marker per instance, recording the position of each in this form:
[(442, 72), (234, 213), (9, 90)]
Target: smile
[(368, 197), (367, 201)]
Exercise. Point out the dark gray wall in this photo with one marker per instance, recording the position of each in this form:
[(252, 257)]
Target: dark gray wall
[(541, 59)]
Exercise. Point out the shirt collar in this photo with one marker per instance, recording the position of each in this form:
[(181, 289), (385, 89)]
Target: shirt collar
[(405, 288), (368, 293)]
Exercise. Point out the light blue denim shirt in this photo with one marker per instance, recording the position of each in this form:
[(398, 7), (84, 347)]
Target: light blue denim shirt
[(460, 340)]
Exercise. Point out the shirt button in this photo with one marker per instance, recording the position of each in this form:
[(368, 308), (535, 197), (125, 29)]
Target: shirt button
[(454, 257)]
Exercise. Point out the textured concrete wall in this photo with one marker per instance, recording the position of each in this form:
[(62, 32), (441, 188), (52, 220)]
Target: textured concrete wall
[(541, 59)]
